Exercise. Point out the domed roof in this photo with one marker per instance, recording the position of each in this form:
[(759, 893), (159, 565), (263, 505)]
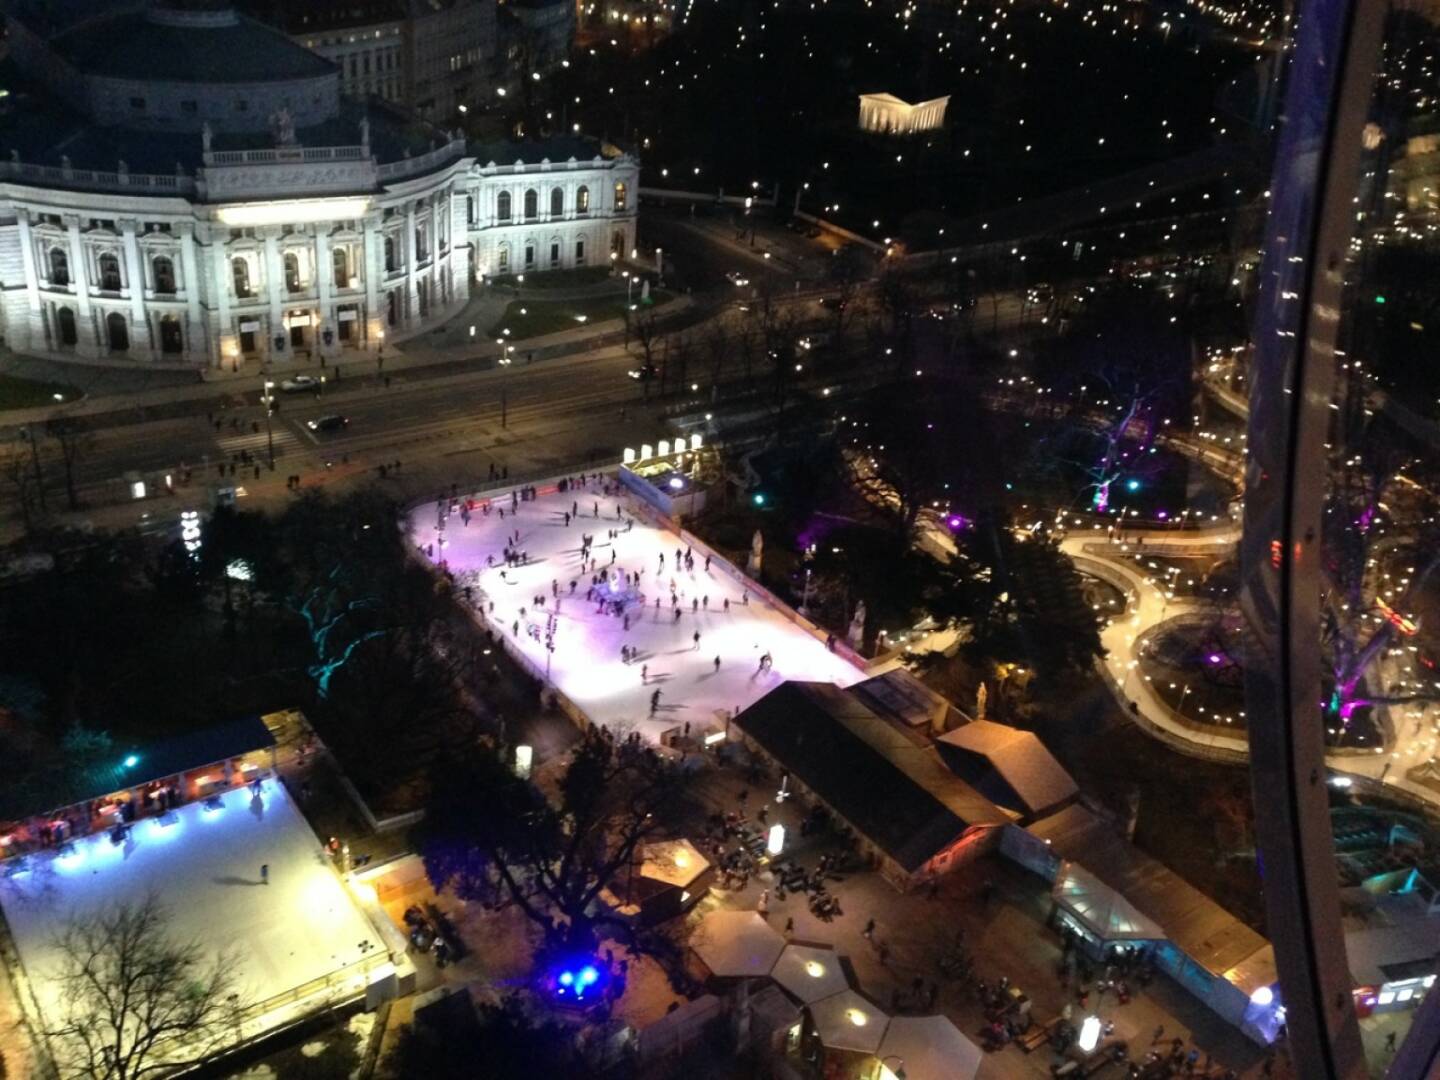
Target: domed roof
[(190, 41)]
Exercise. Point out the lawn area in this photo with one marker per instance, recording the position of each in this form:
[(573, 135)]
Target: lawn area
[(578, 277), (18, 393), (531, 318)]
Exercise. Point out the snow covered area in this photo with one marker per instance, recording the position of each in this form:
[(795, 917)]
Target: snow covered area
[(204, 864), (586, 664)]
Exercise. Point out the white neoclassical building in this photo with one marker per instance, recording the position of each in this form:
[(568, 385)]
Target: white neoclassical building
[(886, 114), (289, 223)]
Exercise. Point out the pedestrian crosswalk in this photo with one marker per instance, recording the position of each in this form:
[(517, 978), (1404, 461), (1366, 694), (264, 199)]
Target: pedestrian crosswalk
[(257, 444)]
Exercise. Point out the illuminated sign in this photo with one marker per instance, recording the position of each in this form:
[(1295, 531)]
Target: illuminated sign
[(293, 211)]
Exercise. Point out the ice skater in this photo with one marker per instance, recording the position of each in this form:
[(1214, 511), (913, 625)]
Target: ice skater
[(717, 665), (644, 674), (265, 873), (697, 640), (654, 702)]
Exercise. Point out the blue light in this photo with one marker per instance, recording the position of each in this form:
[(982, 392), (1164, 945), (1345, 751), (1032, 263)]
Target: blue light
[(566, 978), (1132, 485), (759, 498), (588, 975), (131, 761)]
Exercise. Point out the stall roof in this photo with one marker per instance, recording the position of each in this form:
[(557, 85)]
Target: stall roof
[(1205, 931), (1107, 913), (849, 1021), (672, 862), (900, 694), (810, 972), (931, 1047), (1019, 766), (155, 761), (737, 944), (1382, 954), (896, 793)]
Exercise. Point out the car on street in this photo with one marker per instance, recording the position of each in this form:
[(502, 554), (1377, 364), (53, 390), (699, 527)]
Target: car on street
[(300, 382), (1039, 295), (737, 279), (644, 373), (332, 422), (832, 303), (813, 341)]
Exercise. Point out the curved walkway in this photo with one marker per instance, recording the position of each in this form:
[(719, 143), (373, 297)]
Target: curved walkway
[(1147, 606)]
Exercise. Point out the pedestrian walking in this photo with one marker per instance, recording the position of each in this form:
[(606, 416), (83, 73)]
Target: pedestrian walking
[(697, 640)]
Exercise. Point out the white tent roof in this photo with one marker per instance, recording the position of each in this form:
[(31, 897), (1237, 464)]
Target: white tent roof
[(848, 1021), (810, 972), (1108, 914), (1021, 760), (675, 862), (737, 944), (931, 1047)]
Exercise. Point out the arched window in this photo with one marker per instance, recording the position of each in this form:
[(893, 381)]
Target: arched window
[(582, 200), (170, 337), (110, 272), (502, 206), (557, 202), (164, 271), (340, 259), (59, 267), (389, 254), (532, 204), (619, 196), (502, 259), (65, 322), (118, 331), (240, 270), (292, 272)]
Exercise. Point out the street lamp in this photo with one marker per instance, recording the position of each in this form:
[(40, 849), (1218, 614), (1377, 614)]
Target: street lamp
[(269, 432), (504, 362)]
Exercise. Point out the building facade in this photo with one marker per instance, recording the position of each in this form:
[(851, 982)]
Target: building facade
[(339, 235), (429, 55)]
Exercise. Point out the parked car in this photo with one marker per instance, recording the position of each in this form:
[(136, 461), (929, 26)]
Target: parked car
[(300, 382), (333, 422), (737, 279), (832, 303)]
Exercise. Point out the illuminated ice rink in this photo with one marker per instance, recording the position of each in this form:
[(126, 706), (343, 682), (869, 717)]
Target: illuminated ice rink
[(205, 866), (586, 665)]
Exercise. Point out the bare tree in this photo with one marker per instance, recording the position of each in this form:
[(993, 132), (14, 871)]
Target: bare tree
[(76, 439), (648, 337), (16, 473), (717, 347), (134, 1001)]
